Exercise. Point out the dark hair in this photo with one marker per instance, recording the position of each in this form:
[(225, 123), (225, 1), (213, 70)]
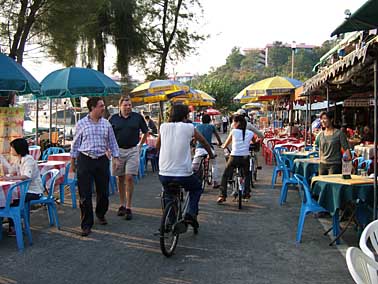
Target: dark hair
[(242, 123), (147, 117), (206, 118), (20, 145), (178, 113), (92, 102), (328, 114)]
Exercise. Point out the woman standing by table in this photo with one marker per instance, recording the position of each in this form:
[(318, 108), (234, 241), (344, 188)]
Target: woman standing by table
[(330, 142), (25, 168)]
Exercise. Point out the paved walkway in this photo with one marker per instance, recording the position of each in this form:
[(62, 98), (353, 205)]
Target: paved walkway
[(254, 245)]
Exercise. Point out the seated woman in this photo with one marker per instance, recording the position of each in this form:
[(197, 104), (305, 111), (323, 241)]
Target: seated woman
[(25, 168), (240, 138), (367, 135)]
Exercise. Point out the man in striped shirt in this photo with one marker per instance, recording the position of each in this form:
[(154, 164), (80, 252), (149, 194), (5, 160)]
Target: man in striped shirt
[(94, 136)]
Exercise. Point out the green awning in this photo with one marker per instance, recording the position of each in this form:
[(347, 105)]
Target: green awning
[(365, 18)]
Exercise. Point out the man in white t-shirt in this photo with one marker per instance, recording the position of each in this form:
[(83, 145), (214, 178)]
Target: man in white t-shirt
[(175, 164)]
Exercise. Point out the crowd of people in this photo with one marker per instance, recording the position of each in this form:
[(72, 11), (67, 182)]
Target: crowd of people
[(100, 143)]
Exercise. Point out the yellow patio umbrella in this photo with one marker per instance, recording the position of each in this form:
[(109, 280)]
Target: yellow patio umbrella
[(255, 106), (158, 91), (273, 86), (196, 98), (244, 96)]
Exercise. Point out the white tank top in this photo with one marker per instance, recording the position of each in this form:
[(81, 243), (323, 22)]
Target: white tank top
[(240, 147), (175, 156)]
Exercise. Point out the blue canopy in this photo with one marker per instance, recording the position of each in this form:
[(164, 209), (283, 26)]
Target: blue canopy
[(76, 82), (15, 78)]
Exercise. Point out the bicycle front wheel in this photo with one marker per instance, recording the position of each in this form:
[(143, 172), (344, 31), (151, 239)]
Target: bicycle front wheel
[(169, 238)]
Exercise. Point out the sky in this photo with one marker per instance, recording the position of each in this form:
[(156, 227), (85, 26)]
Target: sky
[(244, 24)]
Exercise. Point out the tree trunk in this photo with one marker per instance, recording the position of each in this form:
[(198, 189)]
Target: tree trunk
[(100, 47), (29, 23), (20, 28)]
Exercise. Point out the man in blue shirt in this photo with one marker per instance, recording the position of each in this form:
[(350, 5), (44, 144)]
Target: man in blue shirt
[(207, 130), (94, 136)]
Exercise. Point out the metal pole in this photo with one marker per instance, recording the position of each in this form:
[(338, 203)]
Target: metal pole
[(306, 122), (327, 99), (50, 128), (36, 124), (309, 96), (375, 140), (293, 47), (64, 123)]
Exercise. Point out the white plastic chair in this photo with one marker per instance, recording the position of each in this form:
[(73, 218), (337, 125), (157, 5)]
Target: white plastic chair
[(360, 265), (369, 244)]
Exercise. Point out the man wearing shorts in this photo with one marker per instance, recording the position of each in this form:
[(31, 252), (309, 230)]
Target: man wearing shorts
[(127, 126)]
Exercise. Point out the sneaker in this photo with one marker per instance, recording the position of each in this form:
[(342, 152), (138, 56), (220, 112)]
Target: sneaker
[(221, 199), (85, 232), (102, 221), (216, 185), (128, 214), (121, 211), (191, 220), (247, 195)]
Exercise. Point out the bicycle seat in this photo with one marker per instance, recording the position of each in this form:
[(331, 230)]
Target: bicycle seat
[(172, 187)]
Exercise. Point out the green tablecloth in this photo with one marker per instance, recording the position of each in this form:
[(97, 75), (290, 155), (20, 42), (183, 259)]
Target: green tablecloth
[(333, 196), (306, 167)]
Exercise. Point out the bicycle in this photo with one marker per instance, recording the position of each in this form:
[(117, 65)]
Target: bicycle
[(204, 171), (253, 163), (237, 182), (174, 205)]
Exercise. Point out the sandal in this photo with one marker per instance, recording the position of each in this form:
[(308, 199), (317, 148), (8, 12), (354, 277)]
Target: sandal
[(221, 199), (11, 232)]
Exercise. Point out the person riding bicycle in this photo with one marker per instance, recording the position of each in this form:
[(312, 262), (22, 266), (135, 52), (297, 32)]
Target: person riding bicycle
[(207, 130), (175, 165), (240, 138), (250, 126)]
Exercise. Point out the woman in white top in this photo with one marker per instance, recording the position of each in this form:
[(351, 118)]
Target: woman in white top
[(240, 138), (25, 168), (175, 164)]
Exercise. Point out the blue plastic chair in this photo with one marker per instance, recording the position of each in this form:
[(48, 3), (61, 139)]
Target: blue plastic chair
[(48, 199), (51, 151), (153, 157), (366, 164), (358, 161), (287, 179), (308, 206), (17, 213), (280, 164), (72, 183), (142, 160)]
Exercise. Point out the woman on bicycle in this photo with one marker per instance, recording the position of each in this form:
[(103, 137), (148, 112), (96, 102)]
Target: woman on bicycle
[(240, 138)]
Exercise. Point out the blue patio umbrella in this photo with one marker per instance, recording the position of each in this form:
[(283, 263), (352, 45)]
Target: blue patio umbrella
[(15, 78), (77, 82)]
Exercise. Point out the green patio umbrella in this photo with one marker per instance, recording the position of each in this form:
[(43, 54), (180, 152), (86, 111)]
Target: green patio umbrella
[(15, 78)]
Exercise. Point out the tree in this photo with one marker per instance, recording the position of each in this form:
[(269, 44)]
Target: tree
[(128, 41), (17, 19), (167, 31), (235, 59), (278, 56)]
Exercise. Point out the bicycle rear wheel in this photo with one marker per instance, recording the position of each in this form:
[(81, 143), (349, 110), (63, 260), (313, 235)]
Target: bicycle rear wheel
[(209, 174), (169, 238)]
